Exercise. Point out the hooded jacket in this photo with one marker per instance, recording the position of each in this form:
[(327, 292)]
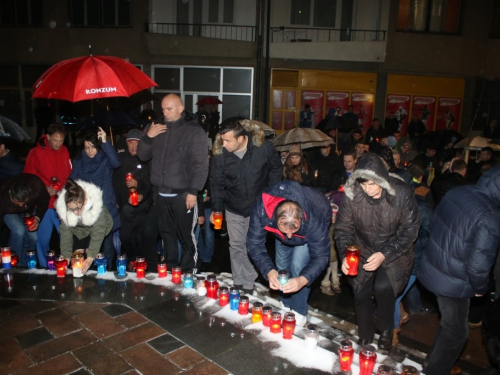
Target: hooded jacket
[(236, 182), (95, 221), (388, 225), (45, 162), (464, 239), (99, 171), (313, 231)]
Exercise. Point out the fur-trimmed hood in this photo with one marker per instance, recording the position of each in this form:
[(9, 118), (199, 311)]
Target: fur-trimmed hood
[(370, 167), (91, 210), (257, 134)]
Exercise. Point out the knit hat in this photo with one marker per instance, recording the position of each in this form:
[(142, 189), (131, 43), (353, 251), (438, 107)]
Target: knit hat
[(294, 149), (134, 135)]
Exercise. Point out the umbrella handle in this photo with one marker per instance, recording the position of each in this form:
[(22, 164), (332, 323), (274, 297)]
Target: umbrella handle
[(111, 136)]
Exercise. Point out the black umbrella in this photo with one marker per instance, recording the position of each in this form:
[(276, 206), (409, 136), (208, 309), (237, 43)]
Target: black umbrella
[(109, 119), (11, 130)]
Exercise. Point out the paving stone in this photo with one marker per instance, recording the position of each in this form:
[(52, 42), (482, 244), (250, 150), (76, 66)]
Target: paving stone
[(60, 345), (18, 326), (100, 360), (59, 322), (63, 364), (166, 344), (148, 361), (13, 358), (134, 336), (115, 310), (131, 319), (82, 371), (100, 323), (37, 336), (206, 368), (25, 309), (81, 308), (185, 357)]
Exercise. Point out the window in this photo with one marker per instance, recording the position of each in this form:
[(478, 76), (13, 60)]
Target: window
[(324, 13), (495, 21), (100, 13), (430, 16), (228, 11), (21, 12), (301, 12), (213, 11)]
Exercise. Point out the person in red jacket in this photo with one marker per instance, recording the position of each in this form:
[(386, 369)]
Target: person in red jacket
[(49, 159)]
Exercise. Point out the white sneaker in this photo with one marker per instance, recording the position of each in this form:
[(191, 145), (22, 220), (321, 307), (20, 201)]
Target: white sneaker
[(300, 320), (283, 307)]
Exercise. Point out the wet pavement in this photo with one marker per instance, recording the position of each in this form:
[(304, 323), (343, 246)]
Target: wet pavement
[(50, 325)]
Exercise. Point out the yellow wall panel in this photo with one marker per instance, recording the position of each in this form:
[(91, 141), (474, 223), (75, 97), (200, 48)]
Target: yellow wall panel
[(425, 85), (340, 81)]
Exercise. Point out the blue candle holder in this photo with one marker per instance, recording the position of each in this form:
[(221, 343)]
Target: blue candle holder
[(121, 266), (51, 256), (31, 259), (188, 280), (283, 277), (234, 298), (101, 263)]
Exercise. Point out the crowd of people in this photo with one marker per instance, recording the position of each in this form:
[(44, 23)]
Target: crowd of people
[(414, 214)]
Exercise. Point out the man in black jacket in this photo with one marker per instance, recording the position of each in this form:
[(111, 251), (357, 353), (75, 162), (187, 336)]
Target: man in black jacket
[(177, 147), (455, 177), (243, 165)]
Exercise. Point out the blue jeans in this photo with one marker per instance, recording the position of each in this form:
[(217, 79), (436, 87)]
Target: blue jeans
[(49, 221), (21, 239), (206, 239), (293, 259), (397, 310)]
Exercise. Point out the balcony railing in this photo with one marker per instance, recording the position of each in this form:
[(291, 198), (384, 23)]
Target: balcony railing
[(232, 32), (303, 34)]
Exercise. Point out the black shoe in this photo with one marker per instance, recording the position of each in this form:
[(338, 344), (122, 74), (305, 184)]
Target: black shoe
[(423, 311), (248, 291), (385, 340), (363, 342), (239, 287), (206, 267)]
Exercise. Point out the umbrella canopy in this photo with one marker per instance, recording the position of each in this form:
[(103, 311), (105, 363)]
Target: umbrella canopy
[(91, 77), (11, 130), (110, 118), (305, 137), (477, 143), (209, 100)]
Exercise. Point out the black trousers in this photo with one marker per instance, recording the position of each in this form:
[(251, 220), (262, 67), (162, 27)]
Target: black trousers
[(176, 222), (131, 232), (379, 286)]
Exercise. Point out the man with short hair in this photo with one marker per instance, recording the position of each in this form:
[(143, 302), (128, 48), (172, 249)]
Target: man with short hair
[(360, 148), (391, 124), (20, 195), (443, 183), (299, 218), (10, 165), (306, 117), (177, 148), (50, 158), (325, 167), (351, 116), (484, 161), (244, 163), (374, 134)]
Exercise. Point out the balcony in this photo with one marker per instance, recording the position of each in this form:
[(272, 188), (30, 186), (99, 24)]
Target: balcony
[(216, 31), (303, 34)]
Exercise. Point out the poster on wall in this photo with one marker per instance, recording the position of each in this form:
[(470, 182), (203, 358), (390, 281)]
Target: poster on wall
[(363, 108), (336, 101), (448, 114), (277, 120), (400, 105), (315, 99), (290, 97), (425, 108), (277, 99), (289, 120)]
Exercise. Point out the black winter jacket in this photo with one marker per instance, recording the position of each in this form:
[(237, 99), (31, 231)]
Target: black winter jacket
[(445, 182), (313, 231), (236, 182), (388, 225), (464, 239)]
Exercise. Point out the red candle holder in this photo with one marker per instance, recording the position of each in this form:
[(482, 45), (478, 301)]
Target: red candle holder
[(367, 359), (61, 266), (54, 182), (212, 286), (134, 196), (243, 305), (176, 275), (223, 296), (140, 267), (162, 270), (257, 312), (13, 260), (29, 220), (129, 176), (288, 325), (352, 256), (267, 311), (275, 322), (346, 355)]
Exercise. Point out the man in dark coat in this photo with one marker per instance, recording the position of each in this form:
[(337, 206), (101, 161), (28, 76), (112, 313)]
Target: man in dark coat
[(380, 215), (20, 195), (464, 241), (10, 165), (446, 181), (326, 166), (299, 218), (244, 163)]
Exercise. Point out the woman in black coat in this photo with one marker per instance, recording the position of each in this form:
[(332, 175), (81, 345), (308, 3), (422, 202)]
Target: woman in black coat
[(380, 215)]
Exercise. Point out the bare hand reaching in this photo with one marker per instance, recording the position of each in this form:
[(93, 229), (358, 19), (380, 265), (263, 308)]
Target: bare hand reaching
[(156, 129)]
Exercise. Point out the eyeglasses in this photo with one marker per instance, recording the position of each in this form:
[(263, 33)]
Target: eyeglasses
[(76, 209)]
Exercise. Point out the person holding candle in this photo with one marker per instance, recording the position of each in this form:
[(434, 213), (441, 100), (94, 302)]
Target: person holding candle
[(85, 221), (299, 217), (20, 195), (378, 214)]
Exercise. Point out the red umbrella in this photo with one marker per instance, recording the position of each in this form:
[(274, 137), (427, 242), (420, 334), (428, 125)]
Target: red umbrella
[(91, 77), (209, 100)]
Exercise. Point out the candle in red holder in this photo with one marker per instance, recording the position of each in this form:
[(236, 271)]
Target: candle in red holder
[(61, 266), (266, 316), (367, 359), (134, 196), (275, 322), (176, 275), (352, 256), (140, 267), (29, 220), (223, 296), (13, 260), (243, 305), (54, 182), (257, 312), (346, 355), (288, 325), (212, 286), (162, 269), (384, 370), (129, 176)]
